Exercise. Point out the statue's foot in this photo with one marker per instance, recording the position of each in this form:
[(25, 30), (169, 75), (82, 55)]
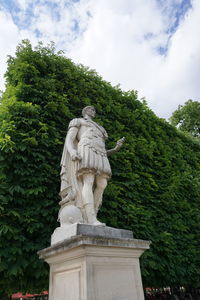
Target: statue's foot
[(97, 223)]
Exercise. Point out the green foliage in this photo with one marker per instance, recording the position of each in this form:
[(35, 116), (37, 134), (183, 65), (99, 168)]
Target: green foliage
[(187, 118), (155, 187)]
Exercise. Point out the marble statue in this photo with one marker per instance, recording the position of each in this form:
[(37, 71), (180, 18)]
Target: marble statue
[(85, 170)]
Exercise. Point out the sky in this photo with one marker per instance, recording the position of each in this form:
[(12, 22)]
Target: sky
[(152, 46)]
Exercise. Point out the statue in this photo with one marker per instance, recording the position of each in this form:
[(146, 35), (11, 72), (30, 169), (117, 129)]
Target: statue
[(85, 170)]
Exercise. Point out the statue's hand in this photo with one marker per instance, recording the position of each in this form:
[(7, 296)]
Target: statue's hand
[(75, 155), (117, 147), (120, 143)]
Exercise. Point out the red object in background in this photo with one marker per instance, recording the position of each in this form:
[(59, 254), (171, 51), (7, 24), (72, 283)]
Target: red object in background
[(45, 293), (20, 295)]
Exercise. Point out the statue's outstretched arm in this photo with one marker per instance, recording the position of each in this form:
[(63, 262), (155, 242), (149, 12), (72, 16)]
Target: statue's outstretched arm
[(71, 136), (117, 147)]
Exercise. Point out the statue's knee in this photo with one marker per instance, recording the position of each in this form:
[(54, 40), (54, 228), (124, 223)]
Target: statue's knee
[(88, 180), (101, 183)]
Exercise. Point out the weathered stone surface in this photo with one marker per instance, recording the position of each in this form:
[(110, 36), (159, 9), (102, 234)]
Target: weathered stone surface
[(104, 231), (62, 233), (87, 259), (85, 169), (95, 267), (96, 238)]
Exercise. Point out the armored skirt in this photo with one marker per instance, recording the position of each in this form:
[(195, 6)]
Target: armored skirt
[(93, 157)]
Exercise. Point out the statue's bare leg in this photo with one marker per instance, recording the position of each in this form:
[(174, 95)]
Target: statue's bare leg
[(101, 183), (88, 199), (87, 190)]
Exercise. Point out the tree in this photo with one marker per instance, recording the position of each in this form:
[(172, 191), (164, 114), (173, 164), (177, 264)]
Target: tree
[(187, 117), (155, 187)]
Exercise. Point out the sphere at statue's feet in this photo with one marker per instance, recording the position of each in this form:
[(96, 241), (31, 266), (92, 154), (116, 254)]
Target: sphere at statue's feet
[(70, 214)]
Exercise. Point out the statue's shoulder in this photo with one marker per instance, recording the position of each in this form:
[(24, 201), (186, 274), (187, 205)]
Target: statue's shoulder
[(77, 122)]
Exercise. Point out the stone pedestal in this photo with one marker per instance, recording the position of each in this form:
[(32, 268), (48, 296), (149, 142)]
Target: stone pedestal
[(98, 263)]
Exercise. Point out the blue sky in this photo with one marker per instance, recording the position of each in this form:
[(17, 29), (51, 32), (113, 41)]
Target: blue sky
[(176, 11), (149, 45)]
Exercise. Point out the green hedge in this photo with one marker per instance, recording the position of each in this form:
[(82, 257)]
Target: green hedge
[(154, 190)]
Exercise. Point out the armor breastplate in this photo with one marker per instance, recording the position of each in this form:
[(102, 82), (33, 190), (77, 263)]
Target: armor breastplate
[(93, 137)]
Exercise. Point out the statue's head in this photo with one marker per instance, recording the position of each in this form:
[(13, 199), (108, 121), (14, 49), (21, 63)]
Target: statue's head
[(89, 110)]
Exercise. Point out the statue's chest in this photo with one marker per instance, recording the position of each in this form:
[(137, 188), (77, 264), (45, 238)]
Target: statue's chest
[(92, 131), (93, 136)]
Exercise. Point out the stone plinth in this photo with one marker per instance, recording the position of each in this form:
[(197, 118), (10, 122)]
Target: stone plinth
[(65, 232), (99, 263)]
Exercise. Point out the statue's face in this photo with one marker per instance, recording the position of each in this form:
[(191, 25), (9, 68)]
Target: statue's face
[(91, 112)]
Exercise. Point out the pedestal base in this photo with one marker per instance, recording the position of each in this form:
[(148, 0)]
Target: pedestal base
[(95, 267), (66, 232)]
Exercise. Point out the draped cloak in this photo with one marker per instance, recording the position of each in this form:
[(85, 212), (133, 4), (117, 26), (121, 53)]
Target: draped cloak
[(91, 148)]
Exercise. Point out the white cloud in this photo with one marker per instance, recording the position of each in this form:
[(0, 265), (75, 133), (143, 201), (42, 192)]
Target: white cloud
[(179, 73), (24, 4), (120, 39), (9, 38), (114, 44)]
